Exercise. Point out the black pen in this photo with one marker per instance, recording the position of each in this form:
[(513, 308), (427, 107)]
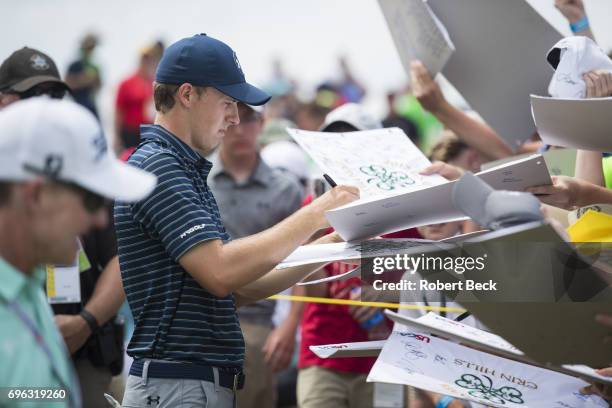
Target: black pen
[(330, 180)]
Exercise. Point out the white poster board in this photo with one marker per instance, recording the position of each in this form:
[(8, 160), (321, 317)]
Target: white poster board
[(417, 34), (368, 218), (578, 123), (485, 341), (500, 59), (417, 359), (380, 162), (342, 251), (358, 349)]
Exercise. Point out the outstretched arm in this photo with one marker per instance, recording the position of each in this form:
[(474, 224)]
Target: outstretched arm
[(574, 12), (476, 134)]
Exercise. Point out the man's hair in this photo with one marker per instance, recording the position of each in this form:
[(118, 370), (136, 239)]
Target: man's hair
[(448, 148), (5, 192), (164, 95)]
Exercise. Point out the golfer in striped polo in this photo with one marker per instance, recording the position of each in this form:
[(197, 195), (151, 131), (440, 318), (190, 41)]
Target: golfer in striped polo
[(182, 276)]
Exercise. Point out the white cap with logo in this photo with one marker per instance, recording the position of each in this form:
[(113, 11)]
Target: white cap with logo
[(63, 141), (354, 115)]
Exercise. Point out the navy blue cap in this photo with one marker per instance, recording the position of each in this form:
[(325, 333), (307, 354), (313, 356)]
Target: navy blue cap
[(204, 61)]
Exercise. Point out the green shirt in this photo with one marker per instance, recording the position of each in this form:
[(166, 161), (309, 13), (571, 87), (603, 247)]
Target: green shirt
[(24, 363), (607, 169)]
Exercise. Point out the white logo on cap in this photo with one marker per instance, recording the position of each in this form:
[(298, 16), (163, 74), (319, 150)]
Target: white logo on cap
[(238, 63), (99, 142), (39, 62), (52, 167)]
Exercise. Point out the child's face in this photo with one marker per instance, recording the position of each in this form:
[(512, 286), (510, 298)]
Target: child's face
[(437, 232)]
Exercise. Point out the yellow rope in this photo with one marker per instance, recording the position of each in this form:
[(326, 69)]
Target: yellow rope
[(360, 303)]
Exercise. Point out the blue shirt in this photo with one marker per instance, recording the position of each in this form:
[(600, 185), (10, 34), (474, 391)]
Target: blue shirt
[(175, 318)]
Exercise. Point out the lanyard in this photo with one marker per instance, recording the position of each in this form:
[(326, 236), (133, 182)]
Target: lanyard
[(74, 401)]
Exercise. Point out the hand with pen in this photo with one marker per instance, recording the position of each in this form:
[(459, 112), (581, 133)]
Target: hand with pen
[(336, 197)]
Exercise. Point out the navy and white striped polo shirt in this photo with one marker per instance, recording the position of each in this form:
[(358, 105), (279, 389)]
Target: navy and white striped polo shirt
[(175, 318)]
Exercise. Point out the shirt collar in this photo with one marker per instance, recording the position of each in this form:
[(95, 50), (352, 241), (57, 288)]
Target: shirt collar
[(217, 167), (14, 281), (159, 134), (263, 173)]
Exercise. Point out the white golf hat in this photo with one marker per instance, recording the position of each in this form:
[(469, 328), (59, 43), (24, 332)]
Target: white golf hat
[(354, 115), (287, 156), (61, 140)]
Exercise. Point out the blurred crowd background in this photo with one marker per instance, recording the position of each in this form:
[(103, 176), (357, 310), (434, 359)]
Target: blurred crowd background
[(289, 47), (311, 56)]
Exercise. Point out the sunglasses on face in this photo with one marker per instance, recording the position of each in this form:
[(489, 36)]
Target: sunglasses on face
[(91, 201), (55, 92)]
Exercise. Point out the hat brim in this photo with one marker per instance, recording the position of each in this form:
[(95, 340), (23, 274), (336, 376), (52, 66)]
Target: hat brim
[(119, 181), (324, 127), (30, 82), (255, 108), (245, 93)]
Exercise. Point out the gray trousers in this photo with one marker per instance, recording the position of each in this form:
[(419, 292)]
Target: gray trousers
[(167, 392)]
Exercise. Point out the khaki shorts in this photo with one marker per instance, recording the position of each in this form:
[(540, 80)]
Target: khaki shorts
[(260, 389), (320, 387)]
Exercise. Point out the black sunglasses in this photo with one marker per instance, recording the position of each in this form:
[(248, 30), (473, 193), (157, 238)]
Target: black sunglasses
[(92, 202), (55, 92)]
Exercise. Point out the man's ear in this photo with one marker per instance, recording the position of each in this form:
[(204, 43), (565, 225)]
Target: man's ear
[(7, 99), (186, 94), (31, 193)]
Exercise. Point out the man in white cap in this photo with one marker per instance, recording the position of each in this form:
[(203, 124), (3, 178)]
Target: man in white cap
[(86, 322), (55, 174)]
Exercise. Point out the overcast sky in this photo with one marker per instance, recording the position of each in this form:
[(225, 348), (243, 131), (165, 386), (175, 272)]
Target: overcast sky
[(307, 35)]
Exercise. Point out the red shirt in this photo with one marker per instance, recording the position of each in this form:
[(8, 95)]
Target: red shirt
[(134, 99), (330, 324)]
